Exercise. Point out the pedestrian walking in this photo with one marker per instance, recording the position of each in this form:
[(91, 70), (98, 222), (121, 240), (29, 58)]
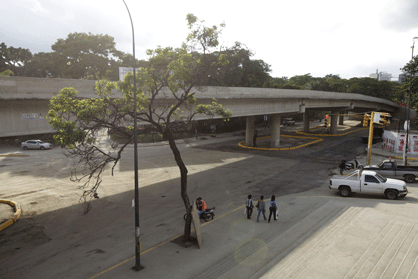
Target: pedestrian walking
[(249, 204), (273, 207), (342, 166), (261, 208), (255, 138)]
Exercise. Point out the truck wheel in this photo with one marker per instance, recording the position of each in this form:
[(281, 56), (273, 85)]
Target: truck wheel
[(409, 178), (391, 195), (345, 192)]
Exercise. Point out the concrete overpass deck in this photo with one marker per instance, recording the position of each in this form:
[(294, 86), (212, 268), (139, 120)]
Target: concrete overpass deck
[(24, 104)]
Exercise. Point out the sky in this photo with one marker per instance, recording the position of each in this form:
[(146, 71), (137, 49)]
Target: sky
[(346, 38)]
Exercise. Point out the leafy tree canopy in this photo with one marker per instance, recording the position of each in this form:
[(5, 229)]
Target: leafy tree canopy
[(7, 73), (83, 55), (14, 59), (410, 86), (241, 70), (40, 65)]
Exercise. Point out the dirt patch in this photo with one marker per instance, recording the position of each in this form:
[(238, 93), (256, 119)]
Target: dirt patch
[(6, 212)]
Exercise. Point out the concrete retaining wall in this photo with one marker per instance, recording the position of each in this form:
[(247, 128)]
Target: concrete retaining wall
[(24, 117)]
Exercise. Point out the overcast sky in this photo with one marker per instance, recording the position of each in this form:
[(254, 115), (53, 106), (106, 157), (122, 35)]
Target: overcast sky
[(348, 38)]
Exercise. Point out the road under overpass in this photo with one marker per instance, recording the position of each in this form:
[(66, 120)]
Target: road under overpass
[(24, 104)]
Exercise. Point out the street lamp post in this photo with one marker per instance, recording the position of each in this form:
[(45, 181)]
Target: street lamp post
[(408, 116), (137, 229)]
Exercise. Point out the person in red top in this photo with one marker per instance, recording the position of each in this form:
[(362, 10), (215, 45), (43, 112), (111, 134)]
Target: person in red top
[(201, 205)]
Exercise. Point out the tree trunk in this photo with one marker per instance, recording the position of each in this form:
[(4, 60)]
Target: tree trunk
[(183, 183)]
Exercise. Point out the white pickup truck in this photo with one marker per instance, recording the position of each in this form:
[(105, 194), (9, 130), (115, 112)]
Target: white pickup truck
[(368, 182)]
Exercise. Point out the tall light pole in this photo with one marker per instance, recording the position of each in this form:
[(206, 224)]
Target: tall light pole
[(137, 230), (405, 160)]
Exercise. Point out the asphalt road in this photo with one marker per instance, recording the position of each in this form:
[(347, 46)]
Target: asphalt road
[(54, 239)]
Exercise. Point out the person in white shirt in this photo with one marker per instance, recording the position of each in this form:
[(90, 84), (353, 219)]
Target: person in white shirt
[(250, 206)]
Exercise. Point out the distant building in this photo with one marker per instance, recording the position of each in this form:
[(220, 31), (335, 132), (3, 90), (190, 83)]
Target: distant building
[(381, 76), (401, 78), (385, 76)]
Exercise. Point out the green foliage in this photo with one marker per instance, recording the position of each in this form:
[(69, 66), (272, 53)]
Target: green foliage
[(291, 86), (202, 38), (75, 120), (83, 55), (40, 65), (14, 59), (213, 110), (410, 86), (239, 70), (366, 86), (300, 80), (7, 73)]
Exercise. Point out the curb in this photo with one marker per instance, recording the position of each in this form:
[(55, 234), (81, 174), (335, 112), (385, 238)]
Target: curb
[(241, 144), (16, 216)]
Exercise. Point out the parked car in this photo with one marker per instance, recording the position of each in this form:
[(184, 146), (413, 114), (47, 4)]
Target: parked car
[(35, 144), (389, 168), (368, 182), (288, 121)]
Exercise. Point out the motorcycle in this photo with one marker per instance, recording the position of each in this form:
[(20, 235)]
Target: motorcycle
[(208, 215), (349, 166)]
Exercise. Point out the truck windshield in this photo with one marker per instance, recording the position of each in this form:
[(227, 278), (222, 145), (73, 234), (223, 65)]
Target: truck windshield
[(381, 178)]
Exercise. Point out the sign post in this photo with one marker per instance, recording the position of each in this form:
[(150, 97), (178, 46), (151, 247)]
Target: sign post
[(406, 128)]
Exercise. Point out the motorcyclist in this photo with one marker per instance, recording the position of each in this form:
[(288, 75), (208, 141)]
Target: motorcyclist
[(201, 206)]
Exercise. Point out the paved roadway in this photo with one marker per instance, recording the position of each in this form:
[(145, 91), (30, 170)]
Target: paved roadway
[(318, 233)]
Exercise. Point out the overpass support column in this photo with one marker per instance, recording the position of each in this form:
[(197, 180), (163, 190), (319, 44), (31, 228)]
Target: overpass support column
[(333, 123), (275, 131), (249, 130), (306, 122)]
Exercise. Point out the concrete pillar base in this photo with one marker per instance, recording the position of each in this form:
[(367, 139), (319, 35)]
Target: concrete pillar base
[(275, 131), (341, 119), (333, 123), (249, 131), (306, 122)]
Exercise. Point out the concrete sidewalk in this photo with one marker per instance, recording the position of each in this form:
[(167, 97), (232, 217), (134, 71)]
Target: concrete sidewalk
[(317, 235)]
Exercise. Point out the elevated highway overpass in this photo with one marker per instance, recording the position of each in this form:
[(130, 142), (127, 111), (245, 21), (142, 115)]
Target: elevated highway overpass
[(24, 104)]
